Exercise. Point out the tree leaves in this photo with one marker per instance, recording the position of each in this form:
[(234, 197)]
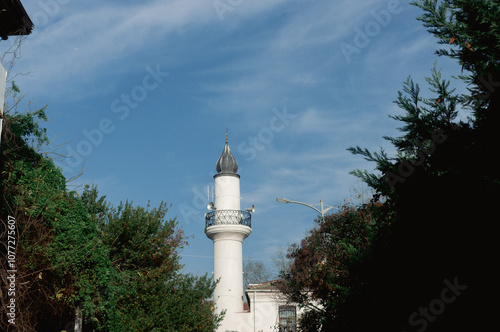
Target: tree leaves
[(119, 265), (320, 277)]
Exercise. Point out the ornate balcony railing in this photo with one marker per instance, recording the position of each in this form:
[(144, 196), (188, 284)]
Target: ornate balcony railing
[(228, 217)]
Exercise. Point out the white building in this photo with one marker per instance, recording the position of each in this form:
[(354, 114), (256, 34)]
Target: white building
[(268, 311), (227, 226)]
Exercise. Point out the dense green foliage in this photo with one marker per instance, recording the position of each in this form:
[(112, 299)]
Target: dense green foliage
[(149, 293), (117, 267), (429, 263), (321, 276), (34, 193), (440, 187)]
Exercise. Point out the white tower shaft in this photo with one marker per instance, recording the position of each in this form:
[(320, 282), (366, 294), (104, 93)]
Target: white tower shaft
[(227, 192), (227, 228)]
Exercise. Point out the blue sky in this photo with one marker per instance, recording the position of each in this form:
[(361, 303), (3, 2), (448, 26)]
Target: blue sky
[(143, 91)]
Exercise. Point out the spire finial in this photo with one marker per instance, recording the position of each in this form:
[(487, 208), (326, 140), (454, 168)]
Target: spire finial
[(226, 162)]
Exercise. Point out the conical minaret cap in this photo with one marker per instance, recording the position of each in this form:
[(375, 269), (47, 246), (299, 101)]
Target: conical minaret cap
[(226, 162)]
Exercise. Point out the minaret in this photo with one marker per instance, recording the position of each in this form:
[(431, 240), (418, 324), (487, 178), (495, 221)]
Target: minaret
[(227, 226)]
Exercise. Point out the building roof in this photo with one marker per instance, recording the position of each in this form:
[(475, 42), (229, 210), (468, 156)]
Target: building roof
[(226, 164), (268, 285), (13, 19)]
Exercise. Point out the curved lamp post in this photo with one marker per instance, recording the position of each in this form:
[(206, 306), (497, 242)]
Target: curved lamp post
[(321, 211)]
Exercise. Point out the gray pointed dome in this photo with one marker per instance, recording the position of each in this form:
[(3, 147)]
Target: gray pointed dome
[(226, 162)]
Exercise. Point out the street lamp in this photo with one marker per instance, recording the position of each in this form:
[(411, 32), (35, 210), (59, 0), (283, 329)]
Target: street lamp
[(321, 211)]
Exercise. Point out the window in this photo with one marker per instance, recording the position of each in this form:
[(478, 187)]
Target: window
[(288, 318)]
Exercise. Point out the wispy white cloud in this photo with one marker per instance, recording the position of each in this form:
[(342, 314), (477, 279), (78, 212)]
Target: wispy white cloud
[(261, 57), (85, 42)]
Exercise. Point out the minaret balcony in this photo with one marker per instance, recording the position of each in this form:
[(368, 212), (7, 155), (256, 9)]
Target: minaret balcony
[(228, 217)]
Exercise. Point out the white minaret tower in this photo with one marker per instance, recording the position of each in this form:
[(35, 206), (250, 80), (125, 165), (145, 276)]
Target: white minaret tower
[(227, 226)]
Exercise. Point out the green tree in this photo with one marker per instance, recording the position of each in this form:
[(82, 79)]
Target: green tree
[(149, 292), (439, 188), (57, 248), (320, 277), (79, 258)]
